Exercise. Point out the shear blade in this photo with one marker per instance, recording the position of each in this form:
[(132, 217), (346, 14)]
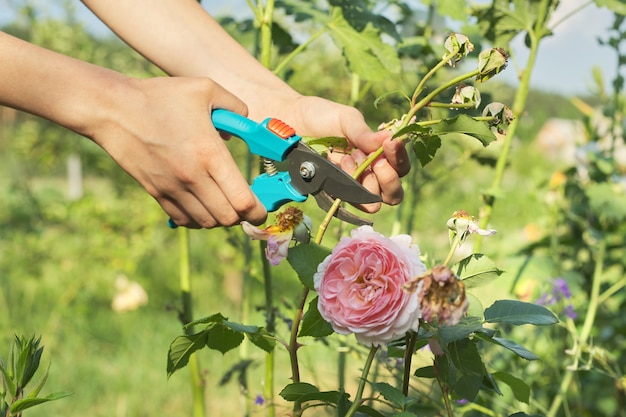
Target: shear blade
[(325, 201), (328, 178)]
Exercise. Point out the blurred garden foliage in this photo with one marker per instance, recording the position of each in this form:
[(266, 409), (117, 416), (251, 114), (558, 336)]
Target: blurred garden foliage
[(60, 257)]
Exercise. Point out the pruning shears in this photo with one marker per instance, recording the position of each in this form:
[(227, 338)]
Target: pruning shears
[(308, 172)]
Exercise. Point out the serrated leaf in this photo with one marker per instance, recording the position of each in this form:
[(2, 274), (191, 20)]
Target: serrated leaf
[(313, 324), (390, 393), (257, 335), (262, 339), (521, 390), (477, 270), (425, 148), (182, 348), (467, 370), (26, 403), (222, 338), (367, 55), (293, 392), (304, 259), (466, 125), (357, 14), (215, 318), (518, 313)]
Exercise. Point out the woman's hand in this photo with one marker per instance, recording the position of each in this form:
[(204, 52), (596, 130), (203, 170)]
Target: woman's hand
[(160, 132)]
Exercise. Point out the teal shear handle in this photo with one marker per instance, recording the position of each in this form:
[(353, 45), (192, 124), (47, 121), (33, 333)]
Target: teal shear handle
[(271, 139)]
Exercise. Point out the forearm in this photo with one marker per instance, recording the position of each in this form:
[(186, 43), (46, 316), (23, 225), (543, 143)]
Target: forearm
[(64, 90), (181, 38)]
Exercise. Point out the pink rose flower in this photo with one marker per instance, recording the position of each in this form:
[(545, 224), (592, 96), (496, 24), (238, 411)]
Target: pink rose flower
[(360, 286)]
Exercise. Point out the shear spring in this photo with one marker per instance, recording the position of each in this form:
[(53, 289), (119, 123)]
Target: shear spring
[(269, 167)]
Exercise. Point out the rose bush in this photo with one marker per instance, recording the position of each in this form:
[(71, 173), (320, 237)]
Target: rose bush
[(360, 286)]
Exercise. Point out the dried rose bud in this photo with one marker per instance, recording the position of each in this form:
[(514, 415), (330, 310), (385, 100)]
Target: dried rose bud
[(279, 234), (441, 295), (459, 45), (466, 94), (463, 224), (502, 116), (491, 62)]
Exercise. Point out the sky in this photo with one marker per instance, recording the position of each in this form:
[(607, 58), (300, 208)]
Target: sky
[(564, 63)]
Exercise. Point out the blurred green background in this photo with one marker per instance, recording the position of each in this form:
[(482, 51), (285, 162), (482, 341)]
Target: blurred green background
[(62, 254)]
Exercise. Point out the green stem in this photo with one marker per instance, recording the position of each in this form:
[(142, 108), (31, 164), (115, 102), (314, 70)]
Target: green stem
[(585, 332), (429, 75), (534, 35), (408, 356), (281, 66), (359, 393), (453, 247), (186, 316), (267, 14)]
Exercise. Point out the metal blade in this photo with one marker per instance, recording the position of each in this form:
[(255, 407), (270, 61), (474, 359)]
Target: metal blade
[(311, 173), (325, 201)]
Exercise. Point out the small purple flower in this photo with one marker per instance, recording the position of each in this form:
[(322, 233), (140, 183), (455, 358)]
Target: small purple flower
[(560, 292), (560, 289), (259, 400), (569, 312)]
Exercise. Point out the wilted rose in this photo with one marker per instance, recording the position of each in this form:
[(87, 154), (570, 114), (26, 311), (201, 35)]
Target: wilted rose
[(360, 286), (442, 295)]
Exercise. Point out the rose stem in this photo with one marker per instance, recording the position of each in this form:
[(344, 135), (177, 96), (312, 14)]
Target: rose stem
[(359, 393)]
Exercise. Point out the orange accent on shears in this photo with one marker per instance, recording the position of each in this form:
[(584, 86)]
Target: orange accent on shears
[(280, 128)]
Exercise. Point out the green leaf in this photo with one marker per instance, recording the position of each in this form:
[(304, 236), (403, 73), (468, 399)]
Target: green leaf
[(477, 270), (313, 324), (26, 403), (8, 378), (215, 318), (390, 393), (617, 6), (304, 259), (293, 392), (521, 390), (467, 369), (329, 397), (466, 125), (257, 335), (182, 348), (519, 350), (325, 144), (364, 409), (263, 340), (222, 338), (367, 55), (522, 414), (466, 327), (35, 392), (425, 148), (519, 312), (425, 372), (356, 13)]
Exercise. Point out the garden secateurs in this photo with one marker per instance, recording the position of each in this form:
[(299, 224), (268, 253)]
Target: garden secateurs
[(308, 172)]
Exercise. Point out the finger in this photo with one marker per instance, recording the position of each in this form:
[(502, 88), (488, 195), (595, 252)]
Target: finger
[(389, 182), (178, 215), (227, 195), (396, 154), (349, 164), (220, 98)]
